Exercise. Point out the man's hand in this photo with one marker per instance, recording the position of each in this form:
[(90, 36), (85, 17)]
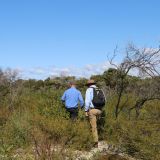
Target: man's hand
[(82, 107), (86, 114)]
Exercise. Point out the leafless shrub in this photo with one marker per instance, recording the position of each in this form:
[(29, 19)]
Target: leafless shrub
[(147, 63)]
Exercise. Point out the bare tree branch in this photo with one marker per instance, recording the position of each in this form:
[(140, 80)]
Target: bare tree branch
[(145, 60)]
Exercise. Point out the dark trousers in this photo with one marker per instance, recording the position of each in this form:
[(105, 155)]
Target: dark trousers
[(73, 113)]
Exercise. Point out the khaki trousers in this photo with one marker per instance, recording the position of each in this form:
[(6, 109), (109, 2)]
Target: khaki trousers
[(93, 115)]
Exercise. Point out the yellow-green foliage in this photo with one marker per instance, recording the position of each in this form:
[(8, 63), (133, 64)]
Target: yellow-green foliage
[(41, 122), (35, 120), (137, 137)]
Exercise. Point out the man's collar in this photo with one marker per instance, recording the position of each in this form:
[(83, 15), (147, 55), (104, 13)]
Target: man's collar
[(94, 86)]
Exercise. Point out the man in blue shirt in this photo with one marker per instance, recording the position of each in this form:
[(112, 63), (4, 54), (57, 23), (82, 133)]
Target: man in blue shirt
[(72, 97)]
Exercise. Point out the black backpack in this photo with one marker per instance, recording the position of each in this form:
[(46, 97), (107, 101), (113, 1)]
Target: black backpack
[(98, 98)]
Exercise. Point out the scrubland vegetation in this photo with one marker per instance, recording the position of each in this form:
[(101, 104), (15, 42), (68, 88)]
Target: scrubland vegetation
[(34, 124)]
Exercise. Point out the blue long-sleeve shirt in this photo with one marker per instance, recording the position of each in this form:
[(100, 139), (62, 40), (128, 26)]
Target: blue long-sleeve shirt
[(72, 97)]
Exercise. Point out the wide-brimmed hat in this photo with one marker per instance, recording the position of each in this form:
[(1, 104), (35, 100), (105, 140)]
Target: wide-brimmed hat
[(91, 81)]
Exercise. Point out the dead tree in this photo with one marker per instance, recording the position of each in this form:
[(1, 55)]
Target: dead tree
[(145, 93), (146, 61), (8, 78)]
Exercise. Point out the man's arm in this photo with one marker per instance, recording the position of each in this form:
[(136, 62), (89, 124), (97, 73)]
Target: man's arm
[(81, 99), (63, 98), (87, 100)]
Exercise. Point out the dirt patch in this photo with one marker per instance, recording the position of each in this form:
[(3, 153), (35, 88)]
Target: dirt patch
[(111, 157)]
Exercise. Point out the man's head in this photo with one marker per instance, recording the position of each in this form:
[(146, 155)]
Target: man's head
[(90, 82), (72, 83)]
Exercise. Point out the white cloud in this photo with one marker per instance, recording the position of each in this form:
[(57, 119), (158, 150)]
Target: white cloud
[(53, 71), (37, 70)]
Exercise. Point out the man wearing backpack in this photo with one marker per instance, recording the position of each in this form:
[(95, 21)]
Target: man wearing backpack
[(94, 102)]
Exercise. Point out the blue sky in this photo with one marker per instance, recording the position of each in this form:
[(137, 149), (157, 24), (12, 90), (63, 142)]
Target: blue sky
[(42, 38)]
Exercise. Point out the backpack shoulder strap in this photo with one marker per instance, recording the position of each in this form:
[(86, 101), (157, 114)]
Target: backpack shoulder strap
[(94, 89)]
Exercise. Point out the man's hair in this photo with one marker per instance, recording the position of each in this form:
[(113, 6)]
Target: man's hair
[(72, 82)]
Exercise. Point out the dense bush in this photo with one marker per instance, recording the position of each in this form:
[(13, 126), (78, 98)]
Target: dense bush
[(32, 118), (137, 137), (39, 120)]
